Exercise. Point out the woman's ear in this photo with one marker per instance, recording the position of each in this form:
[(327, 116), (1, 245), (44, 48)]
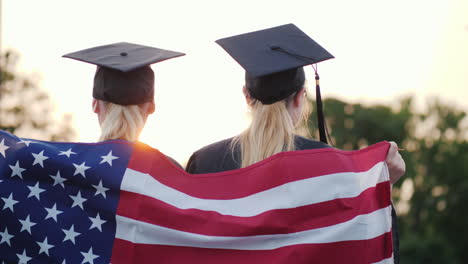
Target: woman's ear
[(95, 105), (150, 108), (298, 97), (248, 99)]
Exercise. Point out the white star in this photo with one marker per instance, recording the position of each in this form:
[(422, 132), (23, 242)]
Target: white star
[(58, 179), (108, 158), (97, 222), (26, 142), (5, 237), (9, 202), (35, 191), (16, 170), (23, 258), (3, 147), (78, 200), (44, 247), (80, 169), (70, 234), (89, 256), (39, 158), (26, 224), (67, 153), (52, 212), (100, 189)]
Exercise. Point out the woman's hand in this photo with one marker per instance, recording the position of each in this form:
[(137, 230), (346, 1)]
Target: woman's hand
[(396, 164)]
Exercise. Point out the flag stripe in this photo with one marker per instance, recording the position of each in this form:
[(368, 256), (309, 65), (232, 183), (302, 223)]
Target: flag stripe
[(280, 221), (350, 252), (359, 228), (389, 260), (289, 195), (225, 185)]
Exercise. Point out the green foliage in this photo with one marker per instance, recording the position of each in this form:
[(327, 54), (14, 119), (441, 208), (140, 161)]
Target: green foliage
[(432, 221), (426, 250), (353, 126), (25, 110)]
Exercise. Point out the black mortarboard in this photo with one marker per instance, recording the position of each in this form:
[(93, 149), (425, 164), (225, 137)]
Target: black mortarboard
[(273, 60), (123, 75)]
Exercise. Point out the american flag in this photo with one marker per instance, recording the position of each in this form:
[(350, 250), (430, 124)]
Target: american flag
[(119, 202)]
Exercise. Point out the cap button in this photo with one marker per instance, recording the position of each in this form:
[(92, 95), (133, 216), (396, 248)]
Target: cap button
[(123, 53)]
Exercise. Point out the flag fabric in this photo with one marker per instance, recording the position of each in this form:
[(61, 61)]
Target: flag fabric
[(121, 202)]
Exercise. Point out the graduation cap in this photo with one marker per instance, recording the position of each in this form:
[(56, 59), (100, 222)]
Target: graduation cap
[(123, 75), (273, 59)]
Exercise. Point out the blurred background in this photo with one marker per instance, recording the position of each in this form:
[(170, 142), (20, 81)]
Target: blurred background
[(400, 74)]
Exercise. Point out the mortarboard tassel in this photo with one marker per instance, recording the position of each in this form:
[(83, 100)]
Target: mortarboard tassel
[(320, 116)]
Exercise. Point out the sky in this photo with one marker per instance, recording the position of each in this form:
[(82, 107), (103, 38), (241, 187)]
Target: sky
[(384, 50)]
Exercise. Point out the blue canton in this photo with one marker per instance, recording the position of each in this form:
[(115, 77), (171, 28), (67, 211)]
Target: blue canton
[(58, 200)]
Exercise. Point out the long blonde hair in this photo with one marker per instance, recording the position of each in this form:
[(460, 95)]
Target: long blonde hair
[(271, 131), (122, 122)]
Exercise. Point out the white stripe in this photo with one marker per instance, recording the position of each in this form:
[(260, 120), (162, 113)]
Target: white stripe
[(362, 227), (386, 261), (289, 195)]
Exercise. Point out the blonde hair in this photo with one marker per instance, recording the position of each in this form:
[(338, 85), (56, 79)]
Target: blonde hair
[(122, 122), (271, 131)]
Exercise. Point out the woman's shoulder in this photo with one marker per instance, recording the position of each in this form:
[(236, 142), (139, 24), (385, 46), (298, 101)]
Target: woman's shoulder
[(216, 147), (215, 157), (303, 143)]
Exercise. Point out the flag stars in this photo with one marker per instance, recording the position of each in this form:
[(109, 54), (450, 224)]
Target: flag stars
[(53, 212), (9, 202), (70, 234), (17, 170), (35, 191), (26, 142), (5, 237), (58, 179), (97, 222), (80, 169), (78, 200), (67, 153), (44, 247), (26, 224), (39, 158), (108, 158), (23, 258), (100, 189), (89, 256), (3, 147)]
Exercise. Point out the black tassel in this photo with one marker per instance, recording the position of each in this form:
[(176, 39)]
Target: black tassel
[(320, 116)]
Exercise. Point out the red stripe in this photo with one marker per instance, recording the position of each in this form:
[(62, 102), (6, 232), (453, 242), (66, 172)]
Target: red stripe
[(281, 221), (350, 252), (258, 177)]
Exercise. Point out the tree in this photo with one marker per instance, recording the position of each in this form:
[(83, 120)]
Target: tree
[(25, 110), (432, 196), (438, 214)]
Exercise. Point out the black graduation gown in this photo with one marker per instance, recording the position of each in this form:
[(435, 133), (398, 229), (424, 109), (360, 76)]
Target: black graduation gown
[(220, 156)]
